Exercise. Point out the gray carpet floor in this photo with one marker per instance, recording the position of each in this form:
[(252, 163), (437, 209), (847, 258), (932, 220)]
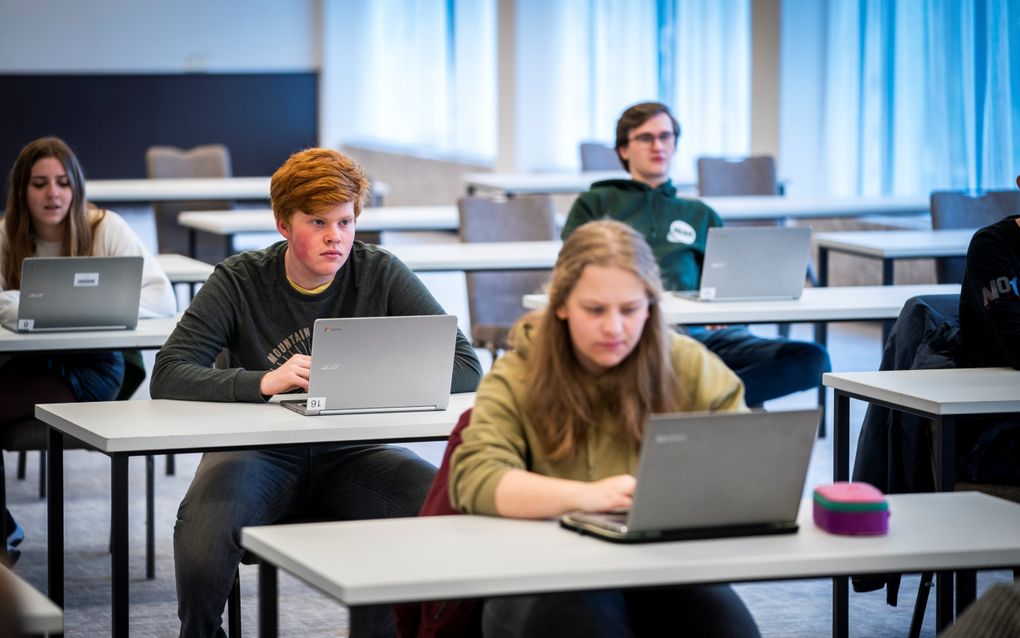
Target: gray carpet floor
[(782, 609)]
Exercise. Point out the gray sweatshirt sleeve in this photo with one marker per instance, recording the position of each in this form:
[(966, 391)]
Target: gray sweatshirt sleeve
[(183, 368)]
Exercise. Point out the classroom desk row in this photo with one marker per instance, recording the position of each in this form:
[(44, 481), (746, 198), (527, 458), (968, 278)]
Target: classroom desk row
[(227, 224), (113, 191), (943, 532), (886, 246)]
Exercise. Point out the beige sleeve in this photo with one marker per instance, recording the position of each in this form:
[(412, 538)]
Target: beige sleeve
[(704, 379), (493, 443)]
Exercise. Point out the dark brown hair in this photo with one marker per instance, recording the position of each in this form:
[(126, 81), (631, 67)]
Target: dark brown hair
[(634, 117), (79, 230)]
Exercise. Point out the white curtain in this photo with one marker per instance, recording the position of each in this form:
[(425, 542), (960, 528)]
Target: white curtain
[(921, 95), (410, 73), (580, 64)]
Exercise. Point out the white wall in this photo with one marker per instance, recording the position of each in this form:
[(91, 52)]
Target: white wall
[(158, 36)]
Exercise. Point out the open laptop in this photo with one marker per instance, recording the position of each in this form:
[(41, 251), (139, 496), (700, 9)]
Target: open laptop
[(78, 293), (754, 263), (713, 475), (379, 364)]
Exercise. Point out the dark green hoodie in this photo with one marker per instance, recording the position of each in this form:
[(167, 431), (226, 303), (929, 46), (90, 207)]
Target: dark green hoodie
[(675, 228)]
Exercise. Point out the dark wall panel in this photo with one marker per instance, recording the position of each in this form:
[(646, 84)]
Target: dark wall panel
[(109, 120)]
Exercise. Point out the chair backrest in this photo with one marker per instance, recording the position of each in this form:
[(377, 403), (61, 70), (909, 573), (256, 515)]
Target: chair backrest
[(494, 298), (170, 162), (597, 156), (957, 209), (737, 176)]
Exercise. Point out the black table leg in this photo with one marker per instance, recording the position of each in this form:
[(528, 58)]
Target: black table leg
[(55, 517), (840, 472), (822, 328), (943, 600), (840, 436), (823, 266), (840, 607), (269, 617), (119, 489), (193, 243), (359, 621), (150, 517), (887, 272), (945, 453)]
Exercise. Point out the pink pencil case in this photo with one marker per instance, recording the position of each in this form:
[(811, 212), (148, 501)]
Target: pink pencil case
[(851, 508)]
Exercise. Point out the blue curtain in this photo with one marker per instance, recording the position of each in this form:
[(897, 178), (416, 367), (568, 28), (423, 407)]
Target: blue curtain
[(921, 95)]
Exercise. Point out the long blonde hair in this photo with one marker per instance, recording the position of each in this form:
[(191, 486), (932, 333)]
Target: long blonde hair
[(79, 230), (560, 393)]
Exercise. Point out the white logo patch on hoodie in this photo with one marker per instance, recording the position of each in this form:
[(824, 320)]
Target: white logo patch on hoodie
[(680, 232)]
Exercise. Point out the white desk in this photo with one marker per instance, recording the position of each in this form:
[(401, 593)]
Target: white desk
[(889, 245), (36, 613), (511, 184), (510, 255), (121, 429), (371, 562), (771, 207), (162, 190), (150, 334), (375, 219), (939, 395), (184, 270), (844, 303)]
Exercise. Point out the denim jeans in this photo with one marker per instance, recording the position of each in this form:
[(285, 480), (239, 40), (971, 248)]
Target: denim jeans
[(706, 610), (232, 490), (769, 368)]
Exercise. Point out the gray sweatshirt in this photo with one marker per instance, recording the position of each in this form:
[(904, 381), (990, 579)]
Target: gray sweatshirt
[(248, 307)]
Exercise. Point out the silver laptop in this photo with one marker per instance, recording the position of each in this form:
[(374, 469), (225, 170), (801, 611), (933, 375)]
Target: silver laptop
[(754, 263), (78, 293), (713, 475), (379, 364)]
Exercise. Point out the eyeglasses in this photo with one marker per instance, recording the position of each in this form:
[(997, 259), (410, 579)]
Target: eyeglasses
[(666, 138)]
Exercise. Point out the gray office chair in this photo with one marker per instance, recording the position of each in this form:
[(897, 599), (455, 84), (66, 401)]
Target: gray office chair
[(596, 156), (169, 162), (737, 176), (956, 209), (494, 298)]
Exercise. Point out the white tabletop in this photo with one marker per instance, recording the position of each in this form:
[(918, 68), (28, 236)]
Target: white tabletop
[(765, 207), (843, 303), (155, 190), (150, 333), (898, 244), (944, 391), (444, 557), (37, 613), (183, 270), (135, 426), (375, 219), (209, 188), (539, 183), (510, 255)]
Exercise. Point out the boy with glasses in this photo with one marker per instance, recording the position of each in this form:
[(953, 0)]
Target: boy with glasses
[(677, 228)]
